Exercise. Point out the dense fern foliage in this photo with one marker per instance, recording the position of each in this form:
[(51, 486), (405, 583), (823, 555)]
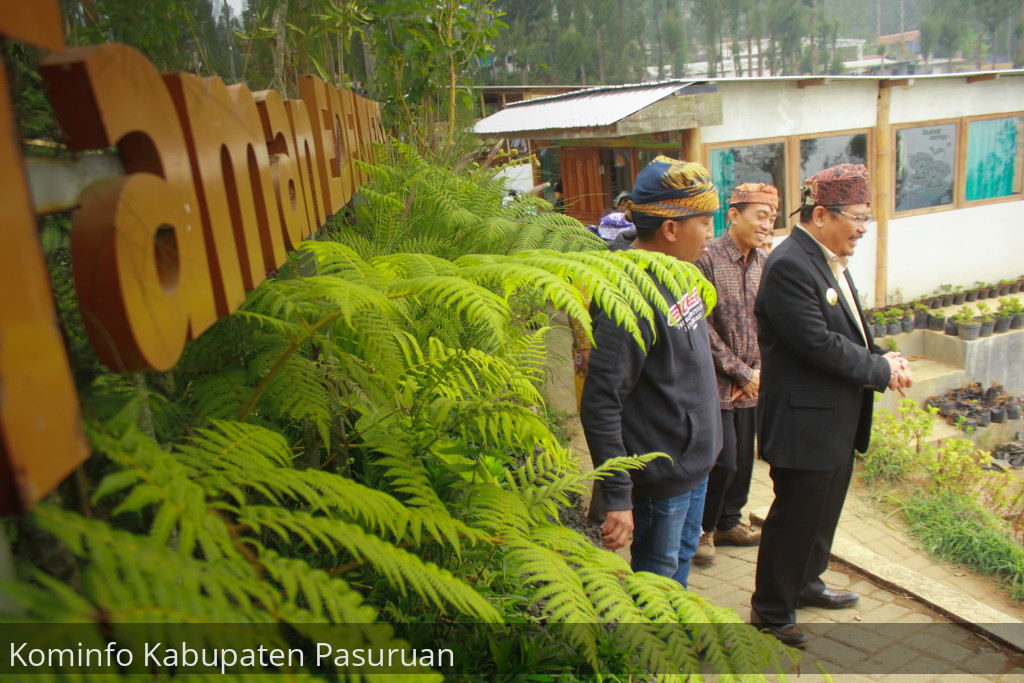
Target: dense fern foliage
[(366, 443)]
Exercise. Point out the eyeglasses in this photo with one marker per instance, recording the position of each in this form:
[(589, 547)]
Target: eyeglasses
[(863, 220)]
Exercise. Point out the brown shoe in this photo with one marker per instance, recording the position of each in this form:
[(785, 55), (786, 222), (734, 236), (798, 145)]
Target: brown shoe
[(741, 535), (705, 550)]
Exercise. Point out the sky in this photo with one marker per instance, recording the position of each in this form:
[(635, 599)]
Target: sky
[(236, 7)]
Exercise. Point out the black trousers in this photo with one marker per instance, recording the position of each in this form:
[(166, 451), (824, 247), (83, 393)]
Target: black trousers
[(796, 539), (729, 480)]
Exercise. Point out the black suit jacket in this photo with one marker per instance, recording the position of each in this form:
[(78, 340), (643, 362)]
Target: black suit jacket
[(818, 377)]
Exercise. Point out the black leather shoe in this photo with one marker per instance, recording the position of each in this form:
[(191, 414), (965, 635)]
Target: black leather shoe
[(787, 634), (829, 599)]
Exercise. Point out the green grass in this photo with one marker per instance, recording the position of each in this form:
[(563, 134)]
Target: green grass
[(954, 527)]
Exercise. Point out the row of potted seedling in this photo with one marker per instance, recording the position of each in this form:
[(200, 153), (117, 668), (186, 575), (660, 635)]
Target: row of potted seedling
[(970, 407), (948, 295), (968, 323)]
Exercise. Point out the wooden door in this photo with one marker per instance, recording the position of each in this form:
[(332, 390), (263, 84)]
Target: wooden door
[(583, 184)]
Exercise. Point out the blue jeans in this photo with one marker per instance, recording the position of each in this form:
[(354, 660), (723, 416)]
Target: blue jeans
[(666, 532)]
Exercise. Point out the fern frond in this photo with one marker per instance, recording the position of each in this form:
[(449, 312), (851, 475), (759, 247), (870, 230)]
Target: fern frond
[(476, 304), (402, 569)]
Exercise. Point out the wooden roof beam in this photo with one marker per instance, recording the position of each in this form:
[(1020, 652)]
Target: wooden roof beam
[(808, 82)]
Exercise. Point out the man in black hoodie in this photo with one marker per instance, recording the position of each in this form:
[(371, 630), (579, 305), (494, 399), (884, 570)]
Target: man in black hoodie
[(662, 400)]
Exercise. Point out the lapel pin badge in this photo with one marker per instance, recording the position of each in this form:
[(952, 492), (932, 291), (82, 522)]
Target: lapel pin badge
[(831, 297)]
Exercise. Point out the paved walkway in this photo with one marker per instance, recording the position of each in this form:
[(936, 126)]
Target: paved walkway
[(959, 626)]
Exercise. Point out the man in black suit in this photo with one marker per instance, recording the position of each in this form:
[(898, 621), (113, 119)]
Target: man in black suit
[(820, 368)]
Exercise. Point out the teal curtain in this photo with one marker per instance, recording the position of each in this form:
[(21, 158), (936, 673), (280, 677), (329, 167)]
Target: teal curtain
[(991, 158), (723, 173)]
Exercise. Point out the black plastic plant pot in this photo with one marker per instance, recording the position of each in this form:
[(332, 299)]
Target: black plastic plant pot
[(907, 324), (982, 415), (959, 298), (986, 328), (951, 328), (921, 321), (1002, 324), (998, 414), (936, 303), (968, 331), (1017, 322), (934, 402), (946, 407), (947, 299), (971, 295), (1012, 411), (893, 327), (878, 329), (1014, 288), (936, 324)]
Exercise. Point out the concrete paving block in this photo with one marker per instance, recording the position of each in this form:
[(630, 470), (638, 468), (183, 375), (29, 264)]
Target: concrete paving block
[(840, 654), (720, 594), (889, 660), (884, 614), (923, 641), (960, 607), (951, 652), (834, 579), (919, 618), (990, 663), (917, 562), (936, 573), (901, 631), (860, 638), (863, 588), (736, 572), (951, 633), (923, 669), (699, 581)]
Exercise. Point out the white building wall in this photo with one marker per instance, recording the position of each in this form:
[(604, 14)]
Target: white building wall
[(955, 247), (767, 109), (928, 99), (958, 246)]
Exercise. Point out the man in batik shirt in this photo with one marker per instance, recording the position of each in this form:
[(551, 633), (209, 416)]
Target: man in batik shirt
[(733, 264)]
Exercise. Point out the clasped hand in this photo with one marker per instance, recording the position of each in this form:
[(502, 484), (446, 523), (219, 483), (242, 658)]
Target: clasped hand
[(901, 377)]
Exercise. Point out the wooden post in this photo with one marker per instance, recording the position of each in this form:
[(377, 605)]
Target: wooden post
[(690, 146), (883, 191)]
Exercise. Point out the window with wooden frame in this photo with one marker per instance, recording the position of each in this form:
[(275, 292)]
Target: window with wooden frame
[(826, 150), (926, 164), (755, 161), (994, 159)]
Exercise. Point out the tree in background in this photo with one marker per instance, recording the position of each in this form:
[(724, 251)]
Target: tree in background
[(176, 35), (673, 30), (991, 14), (709, 17), (786, 19)]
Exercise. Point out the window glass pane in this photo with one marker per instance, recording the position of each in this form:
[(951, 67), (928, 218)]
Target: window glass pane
[(925, 159), (621, 173), (646, 156), (753, 164), (817, 154), (994, 158)]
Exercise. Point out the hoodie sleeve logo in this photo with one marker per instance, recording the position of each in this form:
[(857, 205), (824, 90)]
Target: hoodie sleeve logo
[(688, 311)]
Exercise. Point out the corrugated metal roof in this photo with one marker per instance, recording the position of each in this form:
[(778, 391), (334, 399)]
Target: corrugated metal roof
[(593, 107)]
